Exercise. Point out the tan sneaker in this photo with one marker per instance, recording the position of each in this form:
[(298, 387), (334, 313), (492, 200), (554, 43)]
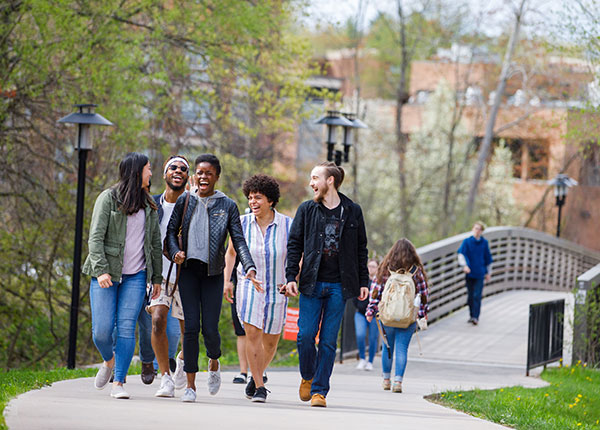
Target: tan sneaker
[(304, 390), (387, 384), (318, 400), (397, 388)]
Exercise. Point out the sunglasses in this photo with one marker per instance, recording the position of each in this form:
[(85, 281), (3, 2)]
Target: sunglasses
[(174, 167)]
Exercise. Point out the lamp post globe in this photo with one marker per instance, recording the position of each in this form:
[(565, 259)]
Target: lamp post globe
[(561, 184)]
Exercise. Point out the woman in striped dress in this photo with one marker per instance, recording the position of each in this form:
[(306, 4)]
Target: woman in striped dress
[(261, 309)]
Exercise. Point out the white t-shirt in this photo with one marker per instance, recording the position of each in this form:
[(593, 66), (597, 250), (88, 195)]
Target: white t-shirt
[(167, 211)]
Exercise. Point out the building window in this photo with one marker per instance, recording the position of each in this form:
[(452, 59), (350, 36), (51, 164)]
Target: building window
[(529, 157)]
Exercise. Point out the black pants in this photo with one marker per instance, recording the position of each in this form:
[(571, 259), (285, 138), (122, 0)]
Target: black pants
[(201, 297)]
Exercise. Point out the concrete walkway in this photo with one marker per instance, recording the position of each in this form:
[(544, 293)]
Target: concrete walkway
[(454, 355)]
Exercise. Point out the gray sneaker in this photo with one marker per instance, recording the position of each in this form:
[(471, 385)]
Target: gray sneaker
[(102, 377), (214, 380), (118, 392), (189, 396)]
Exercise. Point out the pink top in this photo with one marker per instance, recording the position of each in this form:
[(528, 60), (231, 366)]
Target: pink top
[(134, 258)]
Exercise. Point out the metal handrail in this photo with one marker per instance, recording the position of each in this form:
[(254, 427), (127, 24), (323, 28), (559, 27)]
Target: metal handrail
[(523, 259)]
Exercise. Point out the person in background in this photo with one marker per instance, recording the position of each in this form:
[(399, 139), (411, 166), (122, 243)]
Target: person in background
[(125, 253), (240, 335), (402, 255), (475, 258), (361, 326)]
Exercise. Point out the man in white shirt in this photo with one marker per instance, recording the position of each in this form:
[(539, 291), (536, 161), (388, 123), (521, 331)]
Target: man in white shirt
[(176, 174)]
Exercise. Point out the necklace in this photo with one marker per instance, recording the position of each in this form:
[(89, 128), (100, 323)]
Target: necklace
[(205, 201)]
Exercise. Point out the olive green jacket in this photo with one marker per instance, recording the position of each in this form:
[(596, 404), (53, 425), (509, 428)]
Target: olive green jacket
[(107, 241)]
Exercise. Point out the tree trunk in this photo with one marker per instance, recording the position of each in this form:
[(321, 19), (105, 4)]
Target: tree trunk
[(484, 151), (401, 141)]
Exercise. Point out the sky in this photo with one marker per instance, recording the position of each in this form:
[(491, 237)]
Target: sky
[(542, 16)]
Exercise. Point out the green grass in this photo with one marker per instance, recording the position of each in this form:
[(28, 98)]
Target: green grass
[(571, 401)]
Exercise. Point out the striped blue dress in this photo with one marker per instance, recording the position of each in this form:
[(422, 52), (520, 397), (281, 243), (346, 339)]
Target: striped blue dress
[(269, 252)]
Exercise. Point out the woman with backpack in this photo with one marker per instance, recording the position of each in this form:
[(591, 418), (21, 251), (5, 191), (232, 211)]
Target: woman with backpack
[(401, 259)]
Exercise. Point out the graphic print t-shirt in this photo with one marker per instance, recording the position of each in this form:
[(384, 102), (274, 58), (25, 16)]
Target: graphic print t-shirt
[(329, 269)]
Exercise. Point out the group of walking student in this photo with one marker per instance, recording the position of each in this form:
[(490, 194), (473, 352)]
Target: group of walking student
[(164, 260)]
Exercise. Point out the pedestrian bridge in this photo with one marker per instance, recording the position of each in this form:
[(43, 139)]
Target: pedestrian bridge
[(524, 259), (529, 267)]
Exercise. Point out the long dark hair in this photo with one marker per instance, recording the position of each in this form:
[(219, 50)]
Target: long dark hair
[(129, 192), (400, 256)]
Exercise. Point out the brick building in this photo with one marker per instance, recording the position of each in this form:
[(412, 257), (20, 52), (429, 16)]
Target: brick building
[(541, 120)]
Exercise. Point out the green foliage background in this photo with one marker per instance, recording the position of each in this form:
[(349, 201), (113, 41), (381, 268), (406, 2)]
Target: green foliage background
[(174, 77)]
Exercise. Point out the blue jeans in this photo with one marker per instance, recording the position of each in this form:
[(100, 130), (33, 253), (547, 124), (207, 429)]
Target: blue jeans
[(117, 308), (361, 325), (325, 307), (399, 339), (474, 291), (145, 336)]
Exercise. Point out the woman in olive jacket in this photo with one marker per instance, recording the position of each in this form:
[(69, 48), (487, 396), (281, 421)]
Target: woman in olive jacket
[(125, 254)]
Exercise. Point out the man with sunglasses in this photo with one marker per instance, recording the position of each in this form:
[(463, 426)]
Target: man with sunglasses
[(176, 175)]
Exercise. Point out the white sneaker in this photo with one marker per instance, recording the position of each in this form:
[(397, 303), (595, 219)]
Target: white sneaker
[(189, 396), (118, 392), (214, 380), (102, 377), (369, 366), (179, 375), (167, 387), (361, 364)]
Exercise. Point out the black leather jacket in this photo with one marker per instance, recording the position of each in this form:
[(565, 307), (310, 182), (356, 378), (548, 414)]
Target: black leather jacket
[(307, 238), (223, 218)]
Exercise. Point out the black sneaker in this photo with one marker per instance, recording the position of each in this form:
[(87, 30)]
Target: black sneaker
[(242, 378), (250, 388), (261, 395), (265, 378)]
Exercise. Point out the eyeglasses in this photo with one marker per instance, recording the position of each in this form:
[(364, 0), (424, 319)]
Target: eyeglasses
[(174, 167)]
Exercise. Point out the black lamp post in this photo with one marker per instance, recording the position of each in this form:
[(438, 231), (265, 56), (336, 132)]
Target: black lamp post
[(561, 183), (356, 123), (84, 119), (333, 119)]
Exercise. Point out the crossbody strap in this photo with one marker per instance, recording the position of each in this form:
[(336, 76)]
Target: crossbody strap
[(180, 242)]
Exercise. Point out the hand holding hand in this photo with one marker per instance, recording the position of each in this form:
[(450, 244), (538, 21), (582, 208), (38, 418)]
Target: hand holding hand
[(257, 284), (104, 280), (179, 257), (291, 289), (228, 291)]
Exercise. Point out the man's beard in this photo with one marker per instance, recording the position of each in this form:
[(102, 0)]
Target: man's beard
[(318, 198), (176, 188)]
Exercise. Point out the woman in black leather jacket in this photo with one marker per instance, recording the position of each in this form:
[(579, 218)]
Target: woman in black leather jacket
[(210, 215)]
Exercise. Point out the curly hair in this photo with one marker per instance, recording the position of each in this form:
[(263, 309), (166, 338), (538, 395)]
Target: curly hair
[(264, 184)]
